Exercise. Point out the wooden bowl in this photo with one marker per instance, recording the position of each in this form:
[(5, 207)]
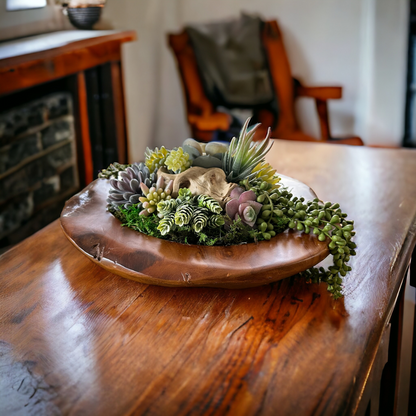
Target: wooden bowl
[(128, 253)]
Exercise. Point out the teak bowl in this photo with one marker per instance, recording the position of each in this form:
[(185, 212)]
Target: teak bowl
[(128, 253)]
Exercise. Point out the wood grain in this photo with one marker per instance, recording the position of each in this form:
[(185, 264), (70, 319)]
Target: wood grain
[(76, 339), (99, 236)]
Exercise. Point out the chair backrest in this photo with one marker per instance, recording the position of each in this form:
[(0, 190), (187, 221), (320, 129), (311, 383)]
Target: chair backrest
[(281, 74), (196, 101)]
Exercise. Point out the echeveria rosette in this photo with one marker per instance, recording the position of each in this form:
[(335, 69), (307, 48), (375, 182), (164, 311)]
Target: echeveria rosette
[(243, 205), (126, 190)]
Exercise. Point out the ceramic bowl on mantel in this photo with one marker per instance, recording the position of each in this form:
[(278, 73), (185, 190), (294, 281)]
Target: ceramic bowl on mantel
[(131, 254), (83, 15)]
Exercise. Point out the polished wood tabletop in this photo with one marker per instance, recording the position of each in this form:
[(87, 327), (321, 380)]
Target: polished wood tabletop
[(76, 339)]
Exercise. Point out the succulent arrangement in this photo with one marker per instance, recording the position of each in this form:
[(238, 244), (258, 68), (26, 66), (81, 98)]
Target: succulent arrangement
[(219, 194)]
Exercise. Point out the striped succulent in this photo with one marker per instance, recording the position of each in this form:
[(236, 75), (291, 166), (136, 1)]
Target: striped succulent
[(166, 223), (166, 206), (216, 221), (209, 203), (243, 155), (183, 214), (199, 219)]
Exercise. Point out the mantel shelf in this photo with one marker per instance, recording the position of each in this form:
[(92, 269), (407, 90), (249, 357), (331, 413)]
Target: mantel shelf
[(49, 45)]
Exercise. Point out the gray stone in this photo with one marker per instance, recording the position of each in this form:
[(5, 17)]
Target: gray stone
[(49, 188), (58, 105), (67, 178), (56, 132), (22, 180), (35, 113), (17, 152), (58, 157), (15, 213)]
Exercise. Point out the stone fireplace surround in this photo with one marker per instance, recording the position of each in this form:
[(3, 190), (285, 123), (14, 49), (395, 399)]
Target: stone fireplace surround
[(38, 167)]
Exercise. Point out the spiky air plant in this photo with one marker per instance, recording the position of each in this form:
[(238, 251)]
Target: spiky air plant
[(126, 191), (153, 196), (112, 171), (243, 154)]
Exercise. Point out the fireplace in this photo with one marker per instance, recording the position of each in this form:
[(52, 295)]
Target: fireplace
[(61, 121), (38, 169)]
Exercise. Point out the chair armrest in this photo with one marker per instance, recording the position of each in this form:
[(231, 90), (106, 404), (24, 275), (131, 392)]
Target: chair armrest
[(210, 122), (319, 93)]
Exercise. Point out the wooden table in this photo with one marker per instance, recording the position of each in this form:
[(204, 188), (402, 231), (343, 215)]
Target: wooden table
[(75, 339)]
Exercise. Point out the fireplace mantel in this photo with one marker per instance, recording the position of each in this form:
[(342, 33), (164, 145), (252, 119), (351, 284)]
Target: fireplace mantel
[(35, 60)]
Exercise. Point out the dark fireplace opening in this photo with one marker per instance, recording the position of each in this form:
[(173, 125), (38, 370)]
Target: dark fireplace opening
[(38, 158)]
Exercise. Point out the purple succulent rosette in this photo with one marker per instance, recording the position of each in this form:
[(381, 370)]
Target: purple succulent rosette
[(244, 205)]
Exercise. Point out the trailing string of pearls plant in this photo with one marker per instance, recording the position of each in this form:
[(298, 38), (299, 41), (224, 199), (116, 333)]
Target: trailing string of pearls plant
[(215, 194)]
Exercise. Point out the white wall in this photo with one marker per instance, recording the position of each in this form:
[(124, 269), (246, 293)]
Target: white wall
[(380, 107), (28, 22), (359, 44), (155, 113)]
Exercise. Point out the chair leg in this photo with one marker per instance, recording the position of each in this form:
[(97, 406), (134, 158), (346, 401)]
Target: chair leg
[(322, 108)]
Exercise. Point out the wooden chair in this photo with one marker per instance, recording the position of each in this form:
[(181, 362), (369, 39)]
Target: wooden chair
[(204, 120)]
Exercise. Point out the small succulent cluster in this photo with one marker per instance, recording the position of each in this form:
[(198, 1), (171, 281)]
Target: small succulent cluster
[(178, 161), (155, 195), (257, 209), (156, 158), (265, 173), (112, 171)]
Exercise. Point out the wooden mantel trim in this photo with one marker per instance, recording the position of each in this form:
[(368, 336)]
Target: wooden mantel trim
[(47, 57), (49, 45)]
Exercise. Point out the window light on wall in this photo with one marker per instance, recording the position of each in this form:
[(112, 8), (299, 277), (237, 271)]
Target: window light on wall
[(13, 5)]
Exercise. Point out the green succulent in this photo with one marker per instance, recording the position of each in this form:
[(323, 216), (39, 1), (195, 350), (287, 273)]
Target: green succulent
[(155, 159), (178, 160), (112, 171)]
